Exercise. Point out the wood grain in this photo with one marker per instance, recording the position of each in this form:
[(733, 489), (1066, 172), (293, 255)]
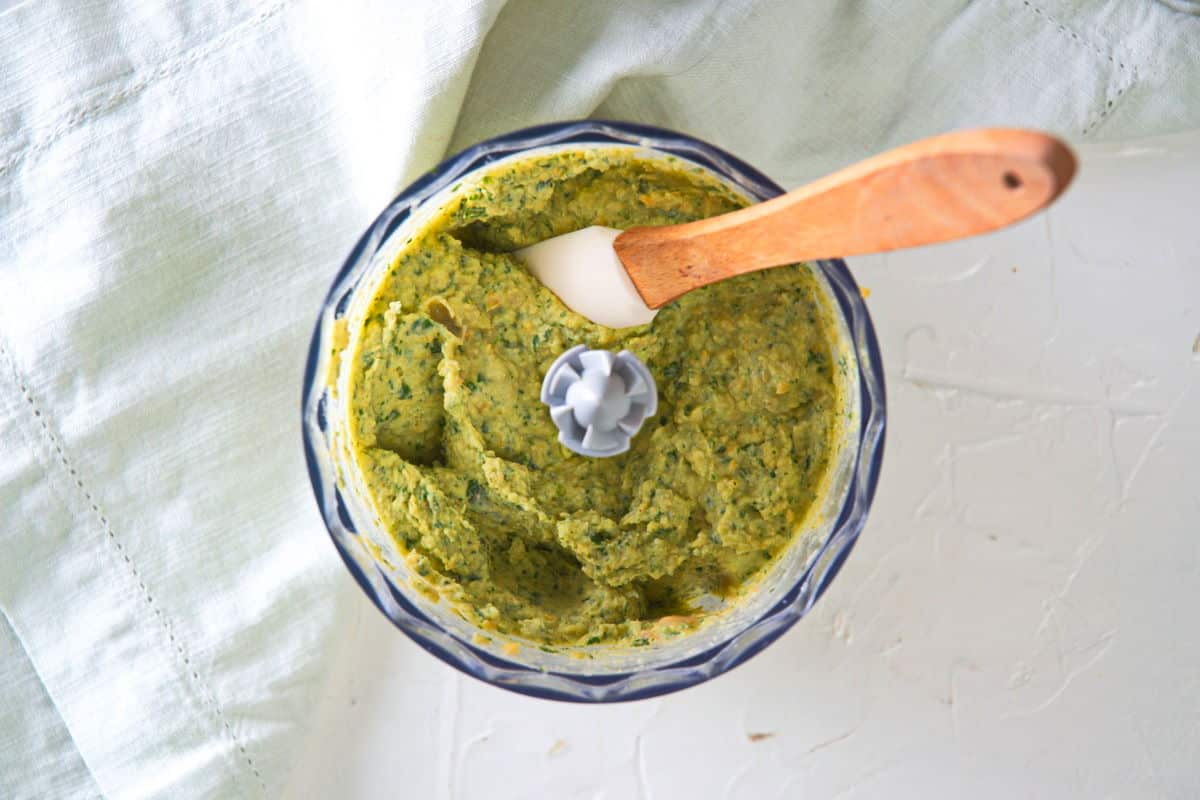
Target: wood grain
[(935, 190)]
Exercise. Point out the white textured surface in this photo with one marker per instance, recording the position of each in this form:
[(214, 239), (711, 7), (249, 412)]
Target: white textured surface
[(1018, 619)]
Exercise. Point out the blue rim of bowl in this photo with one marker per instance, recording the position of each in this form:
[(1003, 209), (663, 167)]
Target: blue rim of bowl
[(823, 567)]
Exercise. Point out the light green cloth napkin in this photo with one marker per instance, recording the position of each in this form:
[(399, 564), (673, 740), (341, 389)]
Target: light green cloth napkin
[(177, 188)]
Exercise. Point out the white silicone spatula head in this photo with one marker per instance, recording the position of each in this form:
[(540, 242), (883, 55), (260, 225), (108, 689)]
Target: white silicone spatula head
[(583, 270)]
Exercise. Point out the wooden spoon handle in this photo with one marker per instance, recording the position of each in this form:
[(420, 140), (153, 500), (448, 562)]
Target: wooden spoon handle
[(938, 189)]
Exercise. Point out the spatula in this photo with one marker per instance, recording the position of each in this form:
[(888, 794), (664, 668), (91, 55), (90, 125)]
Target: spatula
[(934, 190)]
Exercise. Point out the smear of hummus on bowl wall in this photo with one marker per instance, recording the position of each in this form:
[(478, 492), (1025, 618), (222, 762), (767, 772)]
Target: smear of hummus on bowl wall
[(461, 460)]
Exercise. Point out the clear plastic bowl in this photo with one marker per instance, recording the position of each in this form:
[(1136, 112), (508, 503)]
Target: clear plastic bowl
[(594, 674)]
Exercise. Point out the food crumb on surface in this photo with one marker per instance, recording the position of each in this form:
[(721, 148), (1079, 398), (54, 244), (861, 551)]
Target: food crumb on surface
[(864, 291), (559, 746), (758, 737)]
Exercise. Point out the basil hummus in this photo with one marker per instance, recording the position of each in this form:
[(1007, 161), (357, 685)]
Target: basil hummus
[(461, 460)]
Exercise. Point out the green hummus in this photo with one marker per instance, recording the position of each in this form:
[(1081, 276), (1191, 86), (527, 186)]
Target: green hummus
[(461, 460)]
